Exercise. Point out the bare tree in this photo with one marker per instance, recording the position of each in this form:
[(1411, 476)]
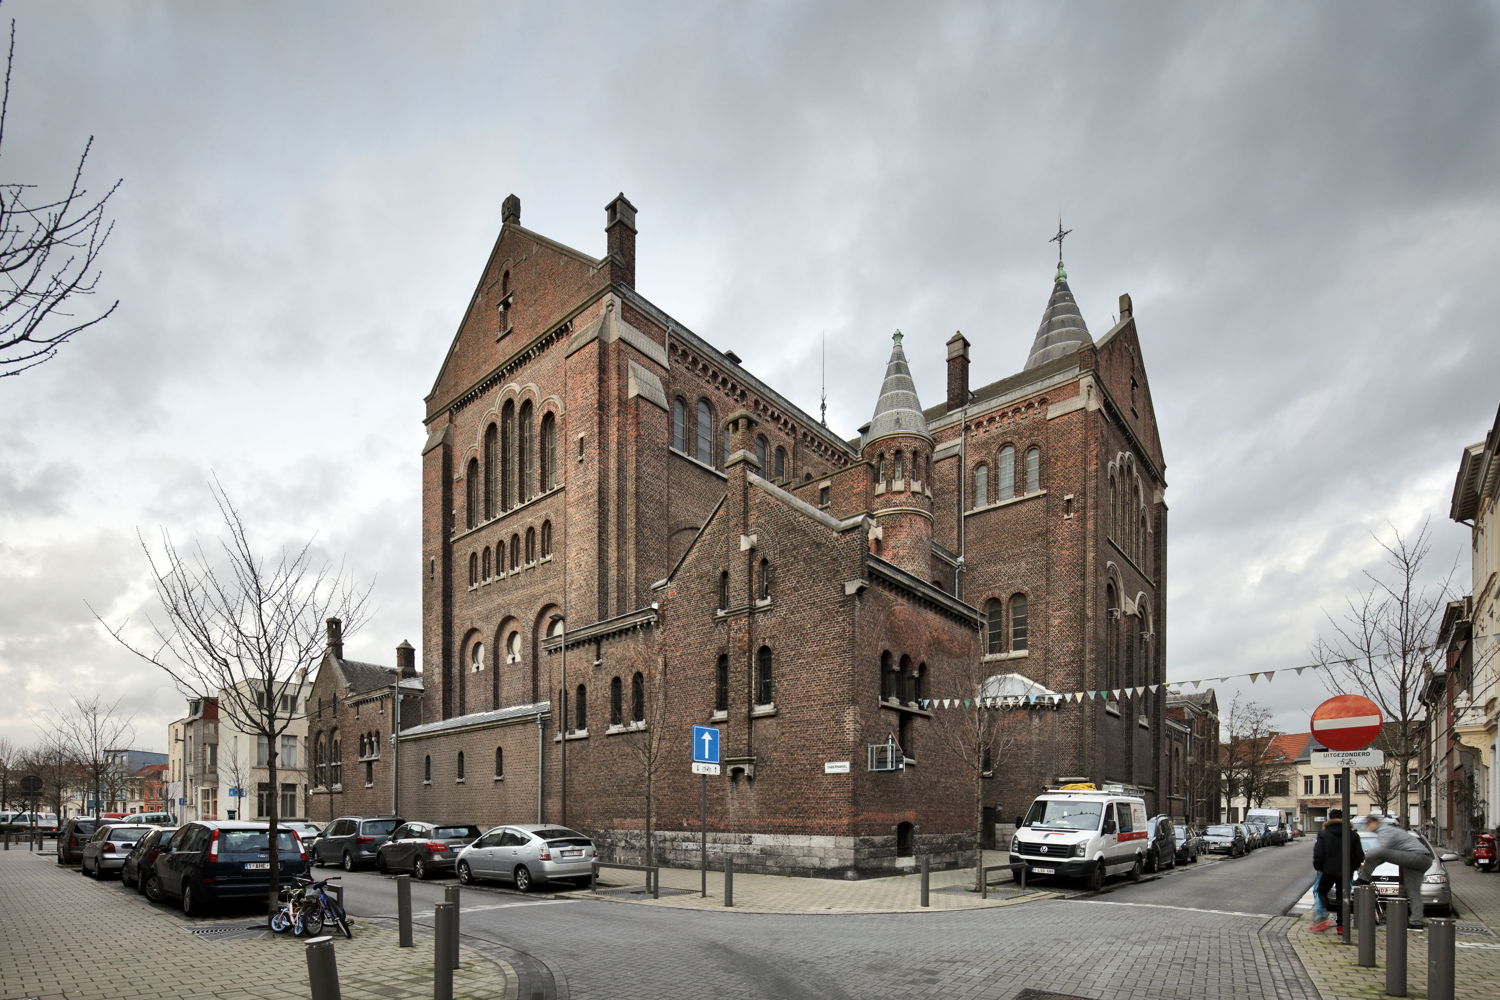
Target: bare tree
[(1380, 645), (647, 743), (56, 769), (1243, 768), (246, 628), (49, 253), (10, 760), (237, 769), (87, 734)]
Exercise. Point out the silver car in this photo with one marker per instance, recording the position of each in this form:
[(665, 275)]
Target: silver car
[(528, 854), (106, 850), (1437, 895)]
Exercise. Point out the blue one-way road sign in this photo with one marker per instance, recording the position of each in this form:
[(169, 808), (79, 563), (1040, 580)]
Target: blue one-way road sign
[(705, 750)]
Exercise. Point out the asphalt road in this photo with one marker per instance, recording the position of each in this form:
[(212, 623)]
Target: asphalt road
[(1201, 930)]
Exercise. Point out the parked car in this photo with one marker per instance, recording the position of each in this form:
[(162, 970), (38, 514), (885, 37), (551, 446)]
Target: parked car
[(1078, 831), (152, 819), (351, 841), (1161, 844), (142, 856), (305, 831), (1437, 895), (1189, 845), (74, 834), (106, 850), (211, 860), (528, 854), (1252, 839), (1225, 838), (22, 822), (425, 849)]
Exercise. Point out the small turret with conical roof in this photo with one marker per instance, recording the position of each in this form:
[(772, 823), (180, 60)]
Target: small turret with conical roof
[(1062, 331), (898, 447)]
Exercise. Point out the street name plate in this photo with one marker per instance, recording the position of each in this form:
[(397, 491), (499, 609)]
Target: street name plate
[(1347, 758), (701, 767), (836, 767)]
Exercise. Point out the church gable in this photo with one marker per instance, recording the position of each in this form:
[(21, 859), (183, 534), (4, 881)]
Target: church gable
[(1122, 372)]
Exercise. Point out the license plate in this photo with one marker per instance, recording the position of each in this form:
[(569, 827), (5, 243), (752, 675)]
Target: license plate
[(573, 854), (1044, 871), (1388, 890), (254, 866)]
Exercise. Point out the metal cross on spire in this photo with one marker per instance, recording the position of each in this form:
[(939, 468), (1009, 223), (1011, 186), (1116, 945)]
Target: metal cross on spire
[(1058, 239)]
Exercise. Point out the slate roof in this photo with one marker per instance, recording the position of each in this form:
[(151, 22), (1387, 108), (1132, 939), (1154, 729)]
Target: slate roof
[(1062, 331), (477, 719), (362, 677), (898, 411)]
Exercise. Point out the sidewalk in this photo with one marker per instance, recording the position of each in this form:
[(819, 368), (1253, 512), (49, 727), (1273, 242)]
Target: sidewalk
[(1336, 971), (948, 890), (67, 937)]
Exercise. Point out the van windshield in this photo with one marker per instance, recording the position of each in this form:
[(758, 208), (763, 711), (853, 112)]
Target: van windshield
[(1064, 814)]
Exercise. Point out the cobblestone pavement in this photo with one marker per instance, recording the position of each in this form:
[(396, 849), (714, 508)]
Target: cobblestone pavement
[(67, 937), (1335, 968)]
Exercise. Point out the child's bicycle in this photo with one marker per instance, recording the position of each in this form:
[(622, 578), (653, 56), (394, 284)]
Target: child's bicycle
[(306, 907)]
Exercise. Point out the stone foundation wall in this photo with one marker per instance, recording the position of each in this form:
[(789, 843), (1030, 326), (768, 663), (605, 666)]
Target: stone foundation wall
[(788, 854)]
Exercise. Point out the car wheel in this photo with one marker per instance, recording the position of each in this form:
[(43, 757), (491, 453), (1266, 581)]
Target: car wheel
[(191, 905), (380, 864), (1153, 862), (348, 862), (465, 874), (1096, 877), (419, 870), (1135, 869), (522, 876), (152, 889), (1192, 857)]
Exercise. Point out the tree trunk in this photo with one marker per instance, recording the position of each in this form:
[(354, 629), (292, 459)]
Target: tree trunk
[(650, 796), (274, 815), (979, 823)]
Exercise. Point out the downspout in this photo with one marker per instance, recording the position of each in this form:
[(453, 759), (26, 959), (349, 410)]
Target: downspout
[(540, 770), (396, 746)]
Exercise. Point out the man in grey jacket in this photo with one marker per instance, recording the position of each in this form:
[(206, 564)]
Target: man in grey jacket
[(1406, 851)]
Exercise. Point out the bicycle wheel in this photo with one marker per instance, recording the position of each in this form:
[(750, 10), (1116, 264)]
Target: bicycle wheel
[(340, 919), (281, 921), (309, 922)]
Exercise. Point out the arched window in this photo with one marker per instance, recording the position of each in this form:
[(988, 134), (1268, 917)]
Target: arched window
[(513, 647), (546, 539), (484, 564), (427, 768), (504, 307), (499, 762), (679, 425), (507, 453), (724, 447), (900, 467), (1114, 507), (760, 452), (1144, 544), (525, 446), (981, 485), (765, 689), (1111, 637), (471, 494), (780, 462), (491, 469), (994, 626), (616, 702), (458, 767), (335, 758), (919, 683), (1006, 484), (764, 593), (1018, 623), (724, 591), (547, 452), (530, 545), (515, 552), (476, 657), (581, 708), (638, 698), (705, 436), (721, 684), (1033, 469), (887, 676), (473, 568)]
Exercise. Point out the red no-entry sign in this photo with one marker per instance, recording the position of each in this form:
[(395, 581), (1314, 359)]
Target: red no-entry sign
[(1347, 722)]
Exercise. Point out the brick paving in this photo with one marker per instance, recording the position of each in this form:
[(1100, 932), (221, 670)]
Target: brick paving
[(67, 937), (1335, 969)]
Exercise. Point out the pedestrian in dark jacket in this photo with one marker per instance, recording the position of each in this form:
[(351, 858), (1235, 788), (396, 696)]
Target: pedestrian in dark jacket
[(1328, 859)]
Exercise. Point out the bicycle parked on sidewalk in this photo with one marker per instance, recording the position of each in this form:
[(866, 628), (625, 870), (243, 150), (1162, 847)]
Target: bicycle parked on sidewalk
[(306, 907)]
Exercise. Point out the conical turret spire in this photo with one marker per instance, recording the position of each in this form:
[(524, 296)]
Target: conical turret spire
[(898, 410), (1062, 331)]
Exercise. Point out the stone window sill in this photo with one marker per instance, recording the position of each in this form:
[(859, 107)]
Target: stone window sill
[(426, 781), (1018, 654), (499, 777), (1113, 708), (1004, 503), (458, 781), (763, 711), (578, 734), (718, 716)]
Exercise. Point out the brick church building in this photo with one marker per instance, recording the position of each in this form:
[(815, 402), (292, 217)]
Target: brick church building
[(625, 533)]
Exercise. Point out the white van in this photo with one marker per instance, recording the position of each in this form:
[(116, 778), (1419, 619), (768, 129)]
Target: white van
[(1079, 831)]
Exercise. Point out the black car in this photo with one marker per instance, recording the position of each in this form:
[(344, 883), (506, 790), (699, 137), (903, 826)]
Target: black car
[(351, 841), (209, 861), (1161, 844), (1225, 838), (1189, 845), (72, 836), (425, 849), (142, 857)]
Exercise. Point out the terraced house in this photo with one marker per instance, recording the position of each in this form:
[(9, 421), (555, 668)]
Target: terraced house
[(625, 532)]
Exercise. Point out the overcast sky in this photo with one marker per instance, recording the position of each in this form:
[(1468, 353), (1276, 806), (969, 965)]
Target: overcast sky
[(1300, 198)]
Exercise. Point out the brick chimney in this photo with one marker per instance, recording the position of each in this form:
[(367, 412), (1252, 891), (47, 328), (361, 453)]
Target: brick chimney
[(742, 424), (510, 210), (336, 637), (406, 660), (958, 371), (619, 225)]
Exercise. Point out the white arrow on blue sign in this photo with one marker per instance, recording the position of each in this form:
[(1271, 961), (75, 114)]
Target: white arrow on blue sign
[(705, 750)]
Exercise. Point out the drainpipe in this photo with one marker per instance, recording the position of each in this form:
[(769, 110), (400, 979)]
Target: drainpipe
[(540, 770)]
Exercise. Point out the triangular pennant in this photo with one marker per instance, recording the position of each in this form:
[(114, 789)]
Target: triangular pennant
[(1153, 687), (1139, 691), (966, 702), (1254, 678), (1197, 684), (1300, 669), (1270, 674)]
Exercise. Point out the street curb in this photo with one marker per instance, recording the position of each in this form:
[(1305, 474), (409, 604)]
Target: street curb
[(1030, 897)]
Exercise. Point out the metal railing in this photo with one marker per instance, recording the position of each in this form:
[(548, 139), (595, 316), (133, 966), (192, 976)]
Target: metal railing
[(653, 876)]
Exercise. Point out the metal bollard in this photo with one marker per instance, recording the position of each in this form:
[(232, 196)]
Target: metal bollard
[(403, 909), (442, 951), (1364, 918), (1440, 945), (322, 969), (729, 880), (594, 877), (924, 880), (451, 895), (1395, 946)]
